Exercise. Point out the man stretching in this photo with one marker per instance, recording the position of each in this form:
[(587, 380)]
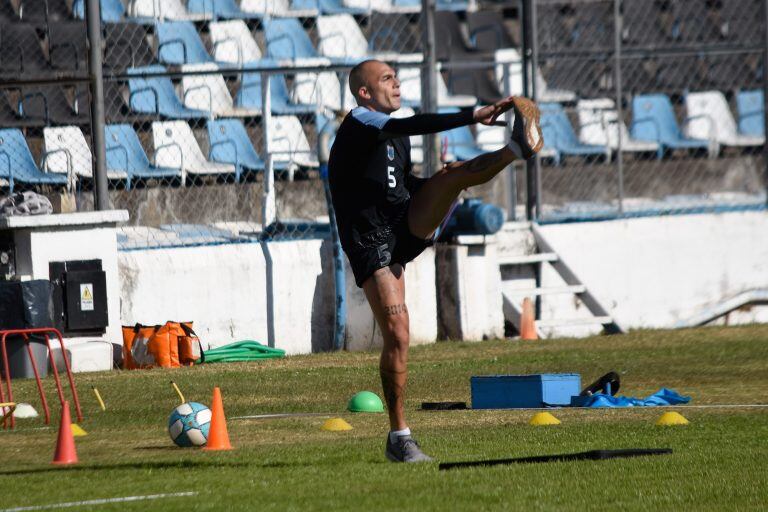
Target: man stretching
[(387, 217)]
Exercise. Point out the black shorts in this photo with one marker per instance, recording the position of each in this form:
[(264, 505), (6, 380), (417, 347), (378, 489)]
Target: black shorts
[(384, 247)]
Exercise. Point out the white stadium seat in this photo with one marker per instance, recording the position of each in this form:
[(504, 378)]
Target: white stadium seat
[(410, 90), (289, 143), (598, 126), (163, 10), (710, 118), (510, 58), (209, 93), (67, 152), (233, 42), (280, 8), (176, 148), (417, 145)]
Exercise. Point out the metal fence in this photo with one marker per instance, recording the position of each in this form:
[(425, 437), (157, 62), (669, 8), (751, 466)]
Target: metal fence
[(650, 106)]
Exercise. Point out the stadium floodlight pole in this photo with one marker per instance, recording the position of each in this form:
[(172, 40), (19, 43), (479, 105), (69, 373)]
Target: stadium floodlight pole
[(617, 28), (429, 82), (93, 17), (765, 98)]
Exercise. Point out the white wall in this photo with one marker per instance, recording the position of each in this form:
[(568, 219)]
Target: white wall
[(653, 272), (223, 290)]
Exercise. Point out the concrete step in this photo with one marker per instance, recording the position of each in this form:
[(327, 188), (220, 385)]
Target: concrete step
[(552, 290), (527, 259), (574, 321)]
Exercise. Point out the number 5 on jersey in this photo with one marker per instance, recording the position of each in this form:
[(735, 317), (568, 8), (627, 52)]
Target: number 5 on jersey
[(391, 177)]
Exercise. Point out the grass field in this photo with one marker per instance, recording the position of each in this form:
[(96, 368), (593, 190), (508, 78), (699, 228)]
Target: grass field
[(719, 460)]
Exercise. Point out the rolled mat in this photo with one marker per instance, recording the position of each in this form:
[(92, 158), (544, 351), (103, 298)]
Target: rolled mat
[(247, 350)]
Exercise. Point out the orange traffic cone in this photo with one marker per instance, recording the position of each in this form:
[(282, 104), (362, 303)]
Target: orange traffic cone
[(65, 445), (528, 321), (218, 437)]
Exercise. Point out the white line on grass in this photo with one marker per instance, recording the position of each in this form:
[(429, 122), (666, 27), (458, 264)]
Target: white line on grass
[(100, 502)]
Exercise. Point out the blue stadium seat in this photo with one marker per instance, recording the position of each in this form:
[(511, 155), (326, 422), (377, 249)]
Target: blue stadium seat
[(560, 137), (751, 112), (654, 119), (18, 165), (286, 40), (179, 43), (442, 5), (156, 95), (328, 7), (125, 153), (249, 96), (461, 144), (112, 11), (221, 9), (230, 143)]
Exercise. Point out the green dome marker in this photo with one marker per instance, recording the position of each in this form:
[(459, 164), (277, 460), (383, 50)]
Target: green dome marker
[(365, 401)]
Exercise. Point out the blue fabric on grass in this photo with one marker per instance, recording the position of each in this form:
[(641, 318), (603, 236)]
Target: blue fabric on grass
[(663, 396)]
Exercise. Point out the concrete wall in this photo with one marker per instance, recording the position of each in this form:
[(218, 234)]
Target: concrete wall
[(654, 272), (223, 289)]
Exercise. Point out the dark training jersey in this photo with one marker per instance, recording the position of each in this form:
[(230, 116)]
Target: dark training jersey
[(369, 170)]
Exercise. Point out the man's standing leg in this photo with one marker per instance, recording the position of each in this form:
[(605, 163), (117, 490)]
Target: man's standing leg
[(385, 291)]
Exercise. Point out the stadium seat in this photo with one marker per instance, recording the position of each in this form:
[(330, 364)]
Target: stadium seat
[(21, 53), (7, 12), (459, 143), (339, 36), (410, 91), (67, 45), (487, 31), (43, 11), (282, 8), (10, 118), (751, 108), (593, 26), (112, 11), (67, 152), (126, 155), (417, 141), (599, 126), (560, 137), (164, 9), (415, 6), (209, 92), (176, 148), (249, 96), (18, 165), (449, 40), (156, 95), (125, 46), (48, 104), (233, 42), (289, 144), (510, 58), (492, 138), (230, 143), (178, 43), (392, 33), (220, 9), (654, 119), (711, 118)]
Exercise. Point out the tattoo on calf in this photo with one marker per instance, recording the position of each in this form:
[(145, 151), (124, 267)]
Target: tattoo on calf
[(395, 309), (393, 391)]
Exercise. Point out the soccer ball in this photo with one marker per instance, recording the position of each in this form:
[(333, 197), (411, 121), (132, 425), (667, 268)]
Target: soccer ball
[(189, 424)]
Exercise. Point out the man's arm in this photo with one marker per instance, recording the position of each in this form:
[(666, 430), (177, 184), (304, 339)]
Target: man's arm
[(422, 124)]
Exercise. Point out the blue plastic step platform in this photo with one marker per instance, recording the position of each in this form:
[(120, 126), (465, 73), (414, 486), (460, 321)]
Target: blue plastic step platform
[(524, 391)]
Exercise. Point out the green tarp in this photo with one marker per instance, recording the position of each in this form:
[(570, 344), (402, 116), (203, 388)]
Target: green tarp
[(246, 350)]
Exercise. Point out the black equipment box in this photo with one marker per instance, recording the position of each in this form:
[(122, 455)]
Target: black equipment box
[(79, 297)]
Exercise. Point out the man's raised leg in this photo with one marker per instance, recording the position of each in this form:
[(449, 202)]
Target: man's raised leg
[(433, 200), (385, 291)]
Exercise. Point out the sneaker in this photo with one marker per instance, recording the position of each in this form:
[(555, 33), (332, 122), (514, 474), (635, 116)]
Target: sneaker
[(526, 131), (405, 449)]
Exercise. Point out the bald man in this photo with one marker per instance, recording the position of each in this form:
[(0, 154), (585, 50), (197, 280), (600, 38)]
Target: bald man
[(387, 217)]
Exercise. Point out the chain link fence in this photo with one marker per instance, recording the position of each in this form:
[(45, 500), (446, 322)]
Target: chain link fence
[(650, 106), (45, 127)]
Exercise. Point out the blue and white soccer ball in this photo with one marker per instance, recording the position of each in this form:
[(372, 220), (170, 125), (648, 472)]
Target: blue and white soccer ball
[(189, 424)]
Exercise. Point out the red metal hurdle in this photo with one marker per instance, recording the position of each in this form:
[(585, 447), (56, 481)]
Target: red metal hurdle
[(46, 332)]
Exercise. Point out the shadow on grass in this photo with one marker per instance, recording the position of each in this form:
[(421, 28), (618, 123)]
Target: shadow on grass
[(179, 464)]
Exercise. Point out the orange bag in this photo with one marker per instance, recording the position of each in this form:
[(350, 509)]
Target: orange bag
[(170, 345)]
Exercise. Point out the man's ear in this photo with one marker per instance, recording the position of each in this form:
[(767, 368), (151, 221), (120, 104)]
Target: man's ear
[(364, 93)]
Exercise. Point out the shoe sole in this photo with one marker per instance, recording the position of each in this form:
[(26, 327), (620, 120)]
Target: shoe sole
[(531, 120)]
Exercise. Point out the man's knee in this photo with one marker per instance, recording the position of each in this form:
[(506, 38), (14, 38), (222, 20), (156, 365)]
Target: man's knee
[(397, 329)]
